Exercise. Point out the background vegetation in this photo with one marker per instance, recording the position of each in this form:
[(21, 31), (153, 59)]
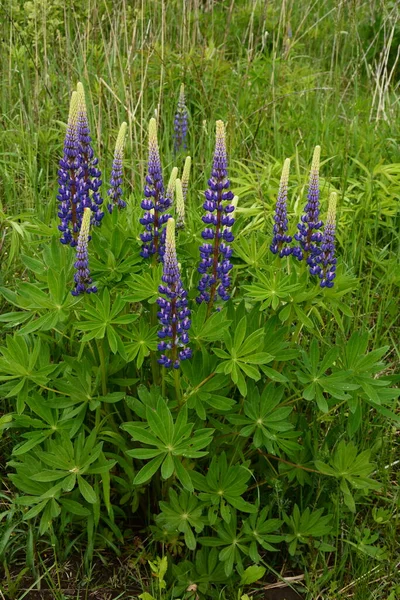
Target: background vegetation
[(284, 76)]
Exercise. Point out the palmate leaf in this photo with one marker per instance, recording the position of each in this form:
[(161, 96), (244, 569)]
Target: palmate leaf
[(182, 513), (266, 421), (172, 442), (351, 469), (103, 319), (271, 289), (306, 526), (234, 541), (223, 486), (242, 356)]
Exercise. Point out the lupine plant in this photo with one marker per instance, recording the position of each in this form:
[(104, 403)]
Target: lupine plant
[(237, 448), (155, 202), (215, 252)]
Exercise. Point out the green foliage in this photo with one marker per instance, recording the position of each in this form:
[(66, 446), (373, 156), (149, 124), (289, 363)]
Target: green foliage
[(274, 449)]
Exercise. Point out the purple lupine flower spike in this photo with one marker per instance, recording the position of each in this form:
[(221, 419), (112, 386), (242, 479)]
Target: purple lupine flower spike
[(185, 176), (281, 240), (89, 175), (155, 202), (325, 262), (82, 277), (181, 122), (69, 164), (308, 234), (115, 191), (215, 252), (174, 314)]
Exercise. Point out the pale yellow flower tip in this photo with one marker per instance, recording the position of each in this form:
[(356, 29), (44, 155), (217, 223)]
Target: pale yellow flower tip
[(234, 203), (285, 173), (331, 216), (180, 202), (170, 236), (220, 131), (153, 131), (120, 143), (171, 183), (316, 158), (81, 97), (85, 225), (73, 109)]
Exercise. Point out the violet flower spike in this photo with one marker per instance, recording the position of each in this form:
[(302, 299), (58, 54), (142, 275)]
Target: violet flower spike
[(280, 238), (155, 202), (82, 277), (215, 252), (185, 176), (173, 314), (325, 262), (308, 234), (115, 191), (67, 173), (89, 175), (181, 122)]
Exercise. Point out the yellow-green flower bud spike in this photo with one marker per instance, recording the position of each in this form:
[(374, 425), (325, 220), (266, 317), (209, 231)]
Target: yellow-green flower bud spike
[(285, 176), (182, 93), (180, 205), (120, 143), (185, 176), (170, 259), (73, 110), (316, 159), (85, 227), (153, 142), (171, 184), (81, 98), (331, 216), (220, 135)]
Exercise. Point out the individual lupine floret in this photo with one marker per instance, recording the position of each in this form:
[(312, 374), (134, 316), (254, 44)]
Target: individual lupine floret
[(325, 262), (155, 202), (181, 122), (281, 239), (180, 205), (82, 277), (215, 252), (308, 234), (115, 191), (67, 173), (174, 314), (185, 176), (171, 184), (89, 175)]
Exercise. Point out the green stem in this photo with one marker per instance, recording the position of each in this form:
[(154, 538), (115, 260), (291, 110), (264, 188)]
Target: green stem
[(153, 358), (177, 380), (103, 368)]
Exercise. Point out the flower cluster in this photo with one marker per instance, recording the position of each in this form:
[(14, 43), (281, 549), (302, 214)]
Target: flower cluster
[(115, 191), (324, 262), (308, 234), (174, 314), (82, 276), (78, 175), (317, 248), (181, 122), (215, 252), (280, 238), (155, 203)]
